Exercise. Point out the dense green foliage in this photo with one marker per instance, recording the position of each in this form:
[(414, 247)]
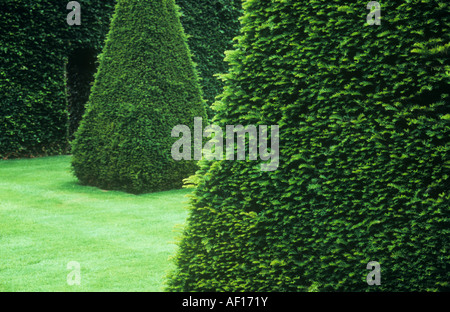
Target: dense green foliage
[(35, 41), (39, 110), (364, 154), (145, 85), (211, 25)]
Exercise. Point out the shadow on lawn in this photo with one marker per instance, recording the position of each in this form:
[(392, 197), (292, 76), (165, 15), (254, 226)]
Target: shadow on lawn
[(74, 186)]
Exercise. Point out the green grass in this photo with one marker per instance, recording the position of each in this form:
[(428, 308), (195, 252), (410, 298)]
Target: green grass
[(122, 241)]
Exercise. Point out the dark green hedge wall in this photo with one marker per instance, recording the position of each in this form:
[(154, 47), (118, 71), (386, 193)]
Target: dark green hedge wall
[(38, 113), (35, 41), (364, 154), (211, 25), (145, 85)]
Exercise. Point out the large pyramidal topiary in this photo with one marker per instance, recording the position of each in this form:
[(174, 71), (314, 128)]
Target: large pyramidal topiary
[(364, 154), (145, 85)]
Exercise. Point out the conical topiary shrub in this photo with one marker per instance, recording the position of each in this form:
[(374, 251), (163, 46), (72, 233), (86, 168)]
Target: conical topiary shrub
[(145, 85), (363, 177)]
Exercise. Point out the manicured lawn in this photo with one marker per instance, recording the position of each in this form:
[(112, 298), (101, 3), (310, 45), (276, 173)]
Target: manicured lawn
[(121, 241)]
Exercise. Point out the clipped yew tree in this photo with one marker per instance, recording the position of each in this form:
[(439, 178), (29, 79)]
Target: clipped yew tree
[(363, 179), (145, 85)]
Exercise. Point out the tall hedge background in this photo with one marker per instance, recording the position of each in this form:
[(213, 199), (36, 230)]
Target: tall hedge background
[(364, 154), (39, 110), (35, 42), (211, 25)]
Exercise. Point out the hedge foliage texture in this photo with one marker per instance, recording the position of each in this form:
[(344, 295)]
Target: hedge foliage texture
[(211, 25), (47, 66), (364, 154), (145, 85), (35, 42)]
